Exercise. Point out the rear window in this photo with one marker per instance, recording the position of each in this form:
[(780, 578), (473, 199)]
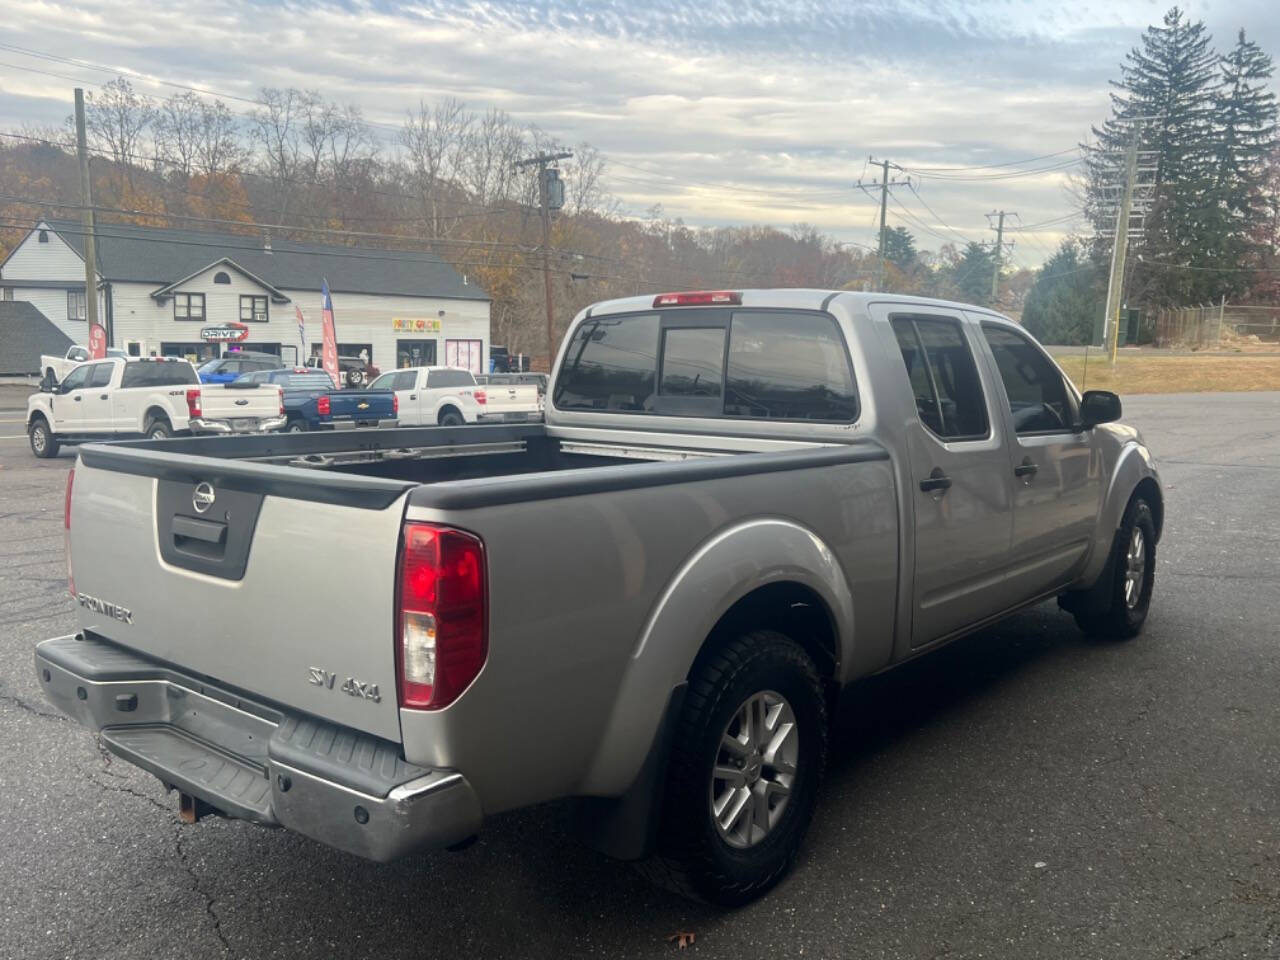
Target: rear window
[(748, 364), (304, 381), (157, 373)]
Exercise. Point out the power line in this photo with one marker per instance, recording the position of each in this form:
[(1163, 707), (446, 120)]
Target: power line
[(992, 166), (925, 204)]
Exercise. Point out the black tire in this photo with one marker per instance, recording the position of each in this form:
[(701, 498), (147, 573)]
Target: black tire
[(295, 426), (451, 418), (43, 442), (355, 378), (1122, 619), (158, 429), (694, 856)]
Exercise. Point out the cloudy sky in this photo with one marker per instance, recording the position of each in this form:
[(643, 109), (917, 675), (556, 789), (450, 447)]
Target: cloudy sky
[(724, 111)]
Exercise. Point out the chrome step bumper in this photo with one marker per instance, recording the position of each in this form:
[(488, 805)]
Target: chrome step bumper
[(253, 761)]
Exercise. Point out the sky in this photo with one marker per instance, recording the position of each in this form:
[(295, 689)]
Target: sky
[(723, 112)]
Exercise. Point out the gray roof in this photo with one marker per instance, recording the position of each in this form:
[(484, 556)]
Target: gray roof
[(25, 334), (134, 254)]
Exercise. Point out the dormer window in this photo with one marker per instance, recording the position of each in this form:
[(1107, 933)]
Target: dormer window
[(43, 237), (222, 277)]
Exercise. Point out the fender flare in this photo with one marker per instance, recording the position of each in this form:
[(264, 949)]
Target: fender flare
[(725, 568), (1134, 465)]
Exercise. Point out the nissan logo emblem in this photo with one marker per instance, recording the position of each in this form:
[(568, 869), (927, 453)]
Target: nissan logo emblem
[(203, 497)]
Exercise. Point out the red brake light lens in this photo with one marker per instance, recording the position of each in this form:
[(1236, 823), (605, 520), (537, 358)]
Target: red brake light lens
[(323, 406), (441, 629), (481, 396), (193, 402), (699, 298), (66, 530), (395, 403), (281, 390)]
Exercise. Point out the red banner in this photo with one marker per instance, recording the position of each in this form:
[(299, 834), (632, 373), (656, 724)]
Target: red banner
[(329, 348), (97, 341)]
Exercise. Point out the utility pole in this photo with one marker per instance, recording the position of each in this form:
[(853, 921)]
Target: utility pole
[(884, 185), (998, 251), (543, 161), (86, 220), (1115, 283)]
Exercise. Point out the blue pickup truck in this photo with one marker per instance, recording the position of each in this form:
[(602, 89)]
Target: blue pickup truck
[(311, 403)]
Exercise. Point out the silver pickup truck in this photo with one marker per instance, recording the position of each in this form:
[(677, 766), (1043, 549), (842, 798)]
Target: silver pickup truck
[(739, 504)]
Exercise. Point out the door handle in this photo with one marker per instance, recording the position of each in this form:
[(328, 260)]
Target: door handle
[(1025, 469), (413, 396), (104, 396), (78, 398), (937, 480)]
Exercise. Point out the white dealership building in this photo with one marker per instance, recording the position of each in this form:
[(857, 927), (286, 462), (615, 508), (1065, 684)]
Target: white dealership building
[(158, 289)]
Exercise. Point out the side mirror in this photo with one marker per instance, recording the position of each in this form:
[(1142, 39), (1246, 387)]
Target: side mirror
[(1099, 406)]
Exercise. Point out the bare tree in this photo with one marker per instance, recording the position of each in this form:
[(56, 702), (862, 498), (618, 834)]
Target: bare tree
[(116, 121), (435, 141), (177, 125), (275, 129), (218, 147), (493, 145)]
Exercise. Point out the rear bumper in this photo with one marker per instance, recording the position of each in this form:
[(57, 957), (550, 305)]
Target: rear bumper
[(200, 425), (357, 424), (515, 416), (254, 762)]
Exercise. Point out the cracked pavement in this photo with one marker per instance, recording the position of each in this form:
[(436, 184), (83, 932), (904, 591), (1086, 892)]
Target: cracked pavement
[(1024, 793)]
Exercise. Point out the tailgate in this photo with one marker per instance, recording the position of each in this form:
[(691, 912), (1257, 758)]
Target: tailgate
[(226, 403), (361, 405), (269, 588), (518, 398)]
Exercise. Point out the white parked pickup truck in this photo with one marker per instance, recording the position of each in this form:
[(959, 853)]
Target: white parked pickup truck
[(150, 397), (427, 396), (54, 369), (512, 397)]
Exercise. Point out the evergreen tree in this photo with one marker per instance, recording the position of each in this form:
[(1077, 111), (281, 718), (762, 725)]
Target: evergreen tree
[(1165, 95), (970, 278), (1067, 298), (900, 247), (1245, 116)]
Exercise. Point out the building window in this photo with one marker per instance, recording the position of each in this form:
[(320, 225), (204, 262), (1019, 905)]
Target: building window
[(253, 309), (188, 306), (222, 277), (77, 309), (43, 237), (8, 293)]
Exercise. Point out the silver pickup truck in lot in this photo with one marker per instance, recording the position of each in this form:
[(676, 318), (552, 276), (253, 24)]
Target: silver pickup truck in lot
[(739, 504)]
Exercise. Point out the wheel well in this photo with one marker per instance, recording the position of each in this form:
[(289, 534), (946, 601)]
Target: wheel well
[(1150, 491), (790, 608), (154, 413), (447, 408), (37, 415)]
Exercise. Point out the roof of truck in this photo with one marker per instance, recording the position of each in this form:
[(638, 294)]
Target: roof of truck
[(796, 299)]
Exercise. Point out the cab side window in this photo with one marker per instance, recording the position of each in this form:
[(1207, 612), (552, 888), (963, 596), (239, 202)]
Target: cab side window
[(404, 380), (101, 375), (944, 378), (76, 379), (1038, 397)]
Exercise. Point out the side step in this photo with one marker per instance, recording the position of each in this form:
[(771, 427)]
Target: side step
[(227, 783)]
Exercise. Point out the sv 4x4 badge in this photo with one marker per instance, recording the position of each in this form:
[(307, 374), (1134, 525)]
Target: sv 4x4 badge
[(351, 686)]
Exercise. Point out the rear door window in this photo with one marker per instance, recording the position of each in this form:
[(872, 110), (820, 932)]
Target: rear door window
[(157, 373), (944, 379), (404, 380), (1038, 397)]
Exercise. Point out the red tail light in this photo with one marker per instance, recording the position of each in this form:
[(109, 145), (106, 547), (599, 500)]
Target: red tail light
[(323, 406), (395, 404), (193, 402), (698, 298), (66, 530), (281, 389), (481, 396), (441, 630)]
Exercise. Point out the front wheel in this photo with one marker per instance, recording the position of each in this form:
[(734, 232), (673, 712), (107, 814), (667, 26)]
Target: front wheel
[(745, 766), (43, 443), (1133, 574)]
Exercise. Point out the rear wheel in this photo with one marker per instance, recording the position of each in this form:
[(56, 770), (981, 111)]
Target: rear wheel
[(451, 418), (745, 766), (43, 443), (159, 430), (1133, 573), (295, 426)]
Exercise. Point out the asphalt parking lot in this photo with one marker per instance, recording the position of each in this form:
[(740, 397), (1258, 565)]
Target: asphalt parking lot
[(1024, 793)]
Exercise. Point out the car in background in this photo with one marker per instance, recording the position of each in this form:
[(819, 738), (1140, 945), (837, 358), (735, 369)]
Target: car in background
[(311, 402), (513, 397), (231, 366), (355, 371), (54, 369), (428, 396)]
